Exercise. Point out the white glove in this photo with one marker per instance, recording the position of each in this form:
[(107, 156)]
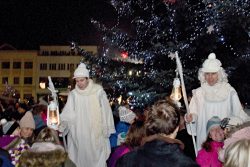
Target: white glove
[(63, 128)]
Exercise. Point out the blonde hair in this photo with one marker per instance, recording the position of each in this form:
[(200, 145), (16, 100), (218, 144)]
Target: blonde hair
[(237, 154), (48, 135), (222, 76)]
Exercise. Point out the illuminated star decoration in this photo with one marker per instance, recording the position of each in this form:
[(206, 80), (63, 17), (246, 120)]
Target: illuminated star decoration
[(171, 55), (210, 29)]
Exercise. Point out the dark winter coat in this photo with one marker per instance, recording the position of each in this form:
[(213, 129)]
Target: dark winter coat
[(183, 136), (158, 151)]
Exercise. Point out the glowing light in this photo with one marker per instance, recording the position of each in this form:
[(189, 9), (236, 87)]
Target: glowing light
[(124, 55), (119, 99), (176, 91), (130, 72), (53, 120), (42, 85)]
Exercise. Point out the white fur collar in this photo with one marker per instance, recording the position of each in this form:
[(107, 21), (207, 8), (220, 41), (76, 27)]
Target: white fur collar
[(90, 89), (217, 92)]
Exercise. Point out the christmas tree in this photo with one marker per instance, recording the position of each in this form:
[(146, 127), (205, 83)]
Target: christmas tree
[(137, 57)]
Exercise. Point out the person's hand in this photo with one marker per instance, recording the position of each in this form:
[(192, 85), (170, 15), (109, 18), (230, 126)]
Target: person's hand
[(188, 118), (63, 128)]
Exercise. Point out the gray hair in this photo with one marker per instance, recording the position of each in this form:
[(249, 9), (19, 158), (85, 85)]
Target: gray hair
[(222, 76)]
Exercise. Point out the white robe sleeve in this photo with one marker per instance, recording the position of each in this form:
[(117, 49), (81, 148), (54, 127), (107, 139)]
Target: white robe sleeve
[(193, 106), (237, 108), (107, 115), (68, 113)]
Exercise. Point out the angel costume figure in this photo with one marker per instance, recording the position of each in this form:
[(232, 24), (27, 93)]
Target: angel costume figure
[(215, 97), (88, 119)]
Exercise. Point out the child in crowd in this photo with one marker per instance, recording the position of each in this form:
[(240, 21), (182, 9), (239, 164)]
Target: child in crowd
[(48, 135), (39, 113), (235, 134), (133, 140), (126, 117), (46, 151), (208, 155), (16, 140), (27, 126)]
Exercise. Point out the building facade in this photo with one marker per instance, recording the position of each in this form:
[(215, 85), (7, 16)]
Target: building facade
[(27, 71)]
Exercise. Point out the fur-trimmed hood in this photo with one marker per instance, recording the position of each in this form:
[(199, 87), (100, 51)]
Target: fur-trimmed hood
[(45, 154)]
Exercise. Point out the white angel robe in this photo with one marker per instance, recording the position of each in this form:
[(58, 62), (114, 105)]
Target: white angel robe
[(88, 117), (219, 100)]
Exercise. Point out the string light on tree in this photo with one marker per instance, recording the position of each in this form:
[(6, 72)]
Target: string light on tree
[(130, 72)]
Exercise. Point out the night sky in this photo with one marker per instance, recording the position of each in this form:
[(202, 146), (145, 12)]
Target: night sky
[(52, 22)]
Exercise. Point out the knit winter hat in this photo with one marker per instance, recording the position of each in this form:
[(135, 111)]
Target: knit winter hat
[(211, 64), (27, 121), (8, 127), (126, 115), (213, 122), (81, 71)]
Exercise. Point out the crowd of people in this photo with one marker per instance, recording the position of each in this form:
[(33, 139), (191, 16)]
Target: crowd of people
[(158, 135)]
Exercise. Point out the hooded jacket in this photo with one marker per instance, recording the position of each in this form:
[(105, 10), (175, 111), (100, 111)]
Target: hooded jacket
[(45, 154)]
